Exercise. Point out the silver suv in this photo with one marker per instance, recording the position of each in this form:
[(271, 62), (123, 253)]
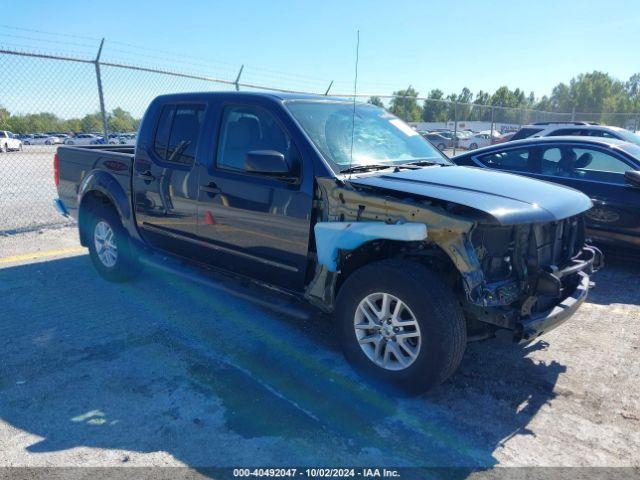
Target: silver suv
[(582, 129)]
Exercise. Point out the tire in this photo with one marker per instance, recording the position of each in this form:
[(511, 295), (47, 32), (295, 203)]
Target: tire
[(69, 142), (473, 146), (47, 142), (441, 146), (102, 219), (27, 143), (442, 336), (4, 148)]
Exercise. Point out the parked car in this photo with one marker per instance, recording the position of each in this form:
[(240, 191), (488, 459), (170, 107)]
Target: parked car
[(81, 139), (439, 141), (412, 254), (505, 137), (481, 139), (9, 142), (41, 139), (605, 169), (127, 139), (583, 129)]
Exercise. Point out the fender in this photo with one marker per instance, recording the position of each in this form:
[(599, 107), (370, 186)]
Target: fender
[(106, 184), (334, 236)]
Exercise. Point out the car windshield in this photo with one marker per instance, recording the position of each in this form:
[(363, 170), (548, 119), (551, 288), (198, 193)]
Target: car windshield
[(628, 136), (366, 135)]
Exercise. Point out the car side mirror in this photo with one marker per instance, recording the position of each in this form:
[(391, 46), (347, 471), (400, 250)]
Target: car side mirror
[(266, 162), (632, 177)]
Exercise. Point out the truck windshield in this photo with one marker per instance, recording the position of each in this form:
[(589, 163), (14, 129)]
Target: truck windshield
[(378, 136)]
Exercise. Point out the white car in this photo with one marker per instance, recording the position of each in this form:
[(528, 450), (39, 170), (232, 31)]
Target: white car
[(8, 141), (479, 140), (127, 139), (81, 139), (41, 139), (582, 129)]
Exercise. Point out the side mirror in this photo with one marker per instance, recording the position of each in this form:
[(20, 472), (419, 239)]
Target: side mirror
[(266, 162), (632, 177)]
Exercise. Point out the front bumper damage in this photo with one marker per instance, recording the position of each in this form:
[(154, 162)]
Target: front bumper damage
[(532, 326)]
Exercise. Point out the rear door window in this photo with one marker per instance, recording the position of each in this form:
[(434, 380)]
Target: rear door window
[(569, 131), (584, 164), (176, 138), (525, 133)]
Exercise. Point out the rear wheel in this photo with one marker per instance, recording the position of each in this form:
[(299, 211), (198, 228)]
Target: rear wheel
[(473, 146), (398, 323), (109, 246)]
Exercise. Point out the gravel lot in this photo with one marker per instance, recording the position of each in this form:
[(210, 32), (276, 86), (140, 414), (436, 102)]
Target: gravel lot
[(27, 190), (163, 372)]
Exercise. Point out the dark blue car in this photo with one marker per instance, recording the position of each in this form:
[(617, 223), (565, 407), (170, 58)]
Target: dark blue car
[(606, 169)]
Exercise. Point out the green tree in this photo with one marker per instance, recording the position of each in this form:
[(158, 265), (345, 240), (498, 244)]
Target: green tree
[(435, 108), (377, 101), (405, 105), (91, 123)]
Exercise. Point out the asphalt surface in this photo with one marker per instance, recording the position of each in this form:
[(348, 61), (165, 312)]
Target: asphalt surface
[(164, 372)]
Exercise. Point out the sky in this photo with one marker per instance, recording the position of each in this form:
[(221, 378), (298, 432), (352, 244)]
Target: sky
[(482, 45)]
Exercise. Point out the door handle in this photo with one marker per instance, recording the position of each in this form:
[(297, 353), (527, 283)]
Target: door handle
[(211, 189), (147, 176)]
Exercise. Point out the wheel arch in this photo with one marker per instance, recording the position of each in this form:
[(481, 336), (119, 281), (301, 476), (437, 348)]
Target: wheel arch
[(100, 188)]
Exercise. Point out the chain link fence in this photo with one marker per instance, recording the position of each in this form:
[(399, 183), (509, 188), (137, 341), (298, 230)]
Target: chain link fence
[(46, 99)]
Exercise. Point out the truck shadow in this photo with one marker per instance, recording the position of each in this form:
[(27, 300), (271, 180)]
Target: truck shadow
[(159, 365)]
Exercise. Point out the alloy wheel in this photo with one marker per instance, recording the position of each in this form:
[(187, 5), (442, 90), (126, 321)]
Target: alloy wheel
[(387, 331)]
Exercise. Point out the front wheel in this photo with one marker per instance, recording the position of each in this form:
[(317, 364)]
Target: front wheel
[(399, 323), (109, 247), (473, 146)]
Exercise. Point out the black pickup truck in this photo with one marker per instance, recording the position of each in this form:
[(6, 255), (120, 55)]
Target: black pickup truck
[(324, 202)]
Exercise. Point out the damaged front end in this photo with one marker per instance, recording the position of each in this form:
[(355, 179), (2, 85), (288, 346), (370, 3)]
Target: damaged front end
[(536, 275), (514, 280)]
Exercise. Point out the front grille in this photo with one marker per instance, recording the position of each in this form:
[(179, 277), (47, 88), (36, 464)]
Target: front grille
[(524, 250), (556, 243)]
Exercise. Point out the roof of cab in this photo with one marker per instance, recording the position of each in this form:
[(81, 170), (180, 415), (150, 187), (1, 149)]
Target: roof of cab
[(283, 96)]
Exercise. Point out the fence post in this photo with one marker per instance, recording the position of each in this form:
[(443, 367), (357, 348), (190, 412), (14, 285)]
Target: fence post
[(237, 82), (100, 94), (492, 124), (455, 126)]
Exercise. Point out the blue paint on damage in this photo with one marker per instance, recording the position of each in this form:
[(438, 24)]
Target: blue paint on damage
[(334, 236)]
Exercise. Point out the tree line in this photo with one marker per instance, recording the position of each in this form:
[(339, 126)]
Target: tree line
[(118, 120), (596, 93)]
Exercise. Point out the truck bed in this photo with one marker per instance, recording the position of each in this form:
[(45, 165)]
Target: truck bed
[(77, 163)]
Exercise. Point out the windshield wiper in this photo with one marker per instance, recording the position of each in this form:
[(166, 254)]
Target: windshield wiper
[(365, 168), (425, 163)]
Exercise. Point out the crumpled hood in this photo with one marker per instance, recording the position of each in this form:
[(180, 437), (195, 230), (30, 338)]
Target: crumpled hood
[(510, 199)]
